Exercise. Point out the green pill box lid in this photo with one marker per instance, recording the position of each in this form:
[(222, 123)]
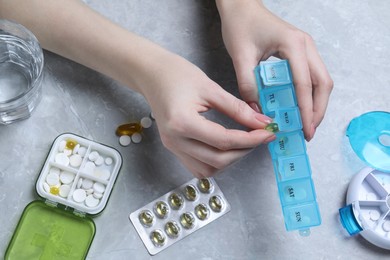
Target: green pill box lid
[(46, 232)]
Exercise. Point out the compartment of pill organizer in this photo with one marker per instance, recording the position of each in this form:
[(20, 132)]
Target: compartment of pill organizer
[(292, 167), (179, 213), (273, 73), (79, 173), (296, 191), (288, 119), (277, 97), (301, 216), (287, 144)]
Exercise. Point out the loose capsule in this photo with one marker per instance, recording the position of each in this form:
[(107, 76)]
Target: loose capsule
[(187, 220), (215, 203), (205, 185), (157, 237), (161, 209), (175, 200), (202, 212), (70, 144), (146, 218), (54, 190), (272, 127), (190, 193), (172, 229), (128, 129)]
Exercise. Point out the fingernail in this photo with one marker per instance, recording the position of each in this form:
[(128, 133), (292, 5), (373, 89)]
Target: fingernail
[(254, 106), (263, 118), (270, 139), (312, 131)]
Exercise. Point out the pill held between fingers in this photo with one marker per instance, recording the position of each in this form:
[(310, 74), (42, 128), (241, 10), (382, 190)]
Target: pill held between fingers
[(79, 195), (124, 140), (66, 177), (91, 201), (99, 161), (53, 179), (62, 159), (136, 138), (61, 146), (87, 184), (146, 122), (82, 151), (93, 156), (64, 190), (108, 161), (99, 187), (75, 160)]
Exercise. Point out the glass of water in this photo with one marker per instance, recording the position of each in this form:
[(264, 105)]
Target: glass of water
[(21, 72)]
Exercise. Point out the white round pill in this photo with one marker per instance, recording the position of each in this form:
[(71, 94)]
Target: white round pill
[(108, 161), (75, 160), (102, 173), (46, 187), (91, 201), (62, 159), (61, 146), (89, 167), (93, 156), (54, 170), (87, 184), (99, 161), (68, 152), (66, 177), (124, 140), (64, 190), (386, 226), (53, 179), (89, 191), (79, 183), (374, 215), (76, 148), (82, 151), (146, 122), (136, 138), (97, 195), (99, 187), (79, 195)]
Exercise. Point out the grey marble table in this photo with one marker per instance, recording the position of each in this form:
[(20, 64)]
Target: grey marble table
[(353, 38)]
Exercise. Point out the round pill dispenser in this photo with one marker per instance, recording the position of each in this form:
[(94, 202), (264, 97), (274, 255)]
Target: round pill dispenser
[(368, 197), (60, 226)]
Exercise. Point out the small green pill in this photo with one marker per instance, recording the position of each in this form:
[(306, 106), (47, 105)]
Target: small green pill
[(272, 127)]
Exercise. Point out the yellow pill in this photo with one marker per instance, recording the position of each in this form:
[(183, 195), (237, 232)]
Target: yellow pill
[(187, 220), (172, 229), (202, 212), (215, 203), (272, 127), (70, 144), (175, 200), (161, 209), (157, 237), (205, 185), (128, 129), (190, 192), (146, 218), (54, 190)]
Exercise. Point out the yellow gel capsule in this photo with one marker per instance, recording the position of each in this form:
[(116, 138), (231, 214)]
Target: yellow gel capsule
[(272, 127), (187, 220), (128, 129), (146, 218), (202, 212), (54, 190), (215, 203), (205, 185), (161, 209), (70, 144), (190, 192), (172, 229), (157, 237), (175, 200)]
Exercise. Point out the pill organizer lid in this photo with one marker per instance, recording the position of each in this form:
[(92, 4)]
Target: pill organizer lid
[(369, 136), (46, 232)]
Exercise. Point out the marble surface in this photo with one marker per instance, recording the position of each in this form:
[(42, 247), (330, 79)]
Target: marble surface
[(353, 39)]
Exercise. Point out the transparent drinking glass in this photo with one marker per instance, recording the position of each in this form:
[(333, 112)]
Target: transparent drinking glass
[(21, 72)]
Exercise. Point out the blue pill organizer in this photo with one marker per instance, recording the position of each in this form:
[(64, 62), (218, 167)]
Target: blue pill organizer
[(288, 152)]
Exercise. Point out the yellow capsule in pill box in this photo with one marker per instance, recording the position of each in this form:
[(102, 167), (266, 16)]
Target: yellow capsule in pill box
[(190, 192), (201, 211), (205, 185), (172, 229), (216, 203), (161, 209), (70, 144), (146, 218), (187, 220), (175, 200), (157, 237)]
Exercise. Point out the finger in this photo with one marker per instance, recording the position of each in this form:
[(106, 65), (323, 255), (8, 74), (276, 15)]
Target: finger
[(303, 86), (236, 109), (322, 84)]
